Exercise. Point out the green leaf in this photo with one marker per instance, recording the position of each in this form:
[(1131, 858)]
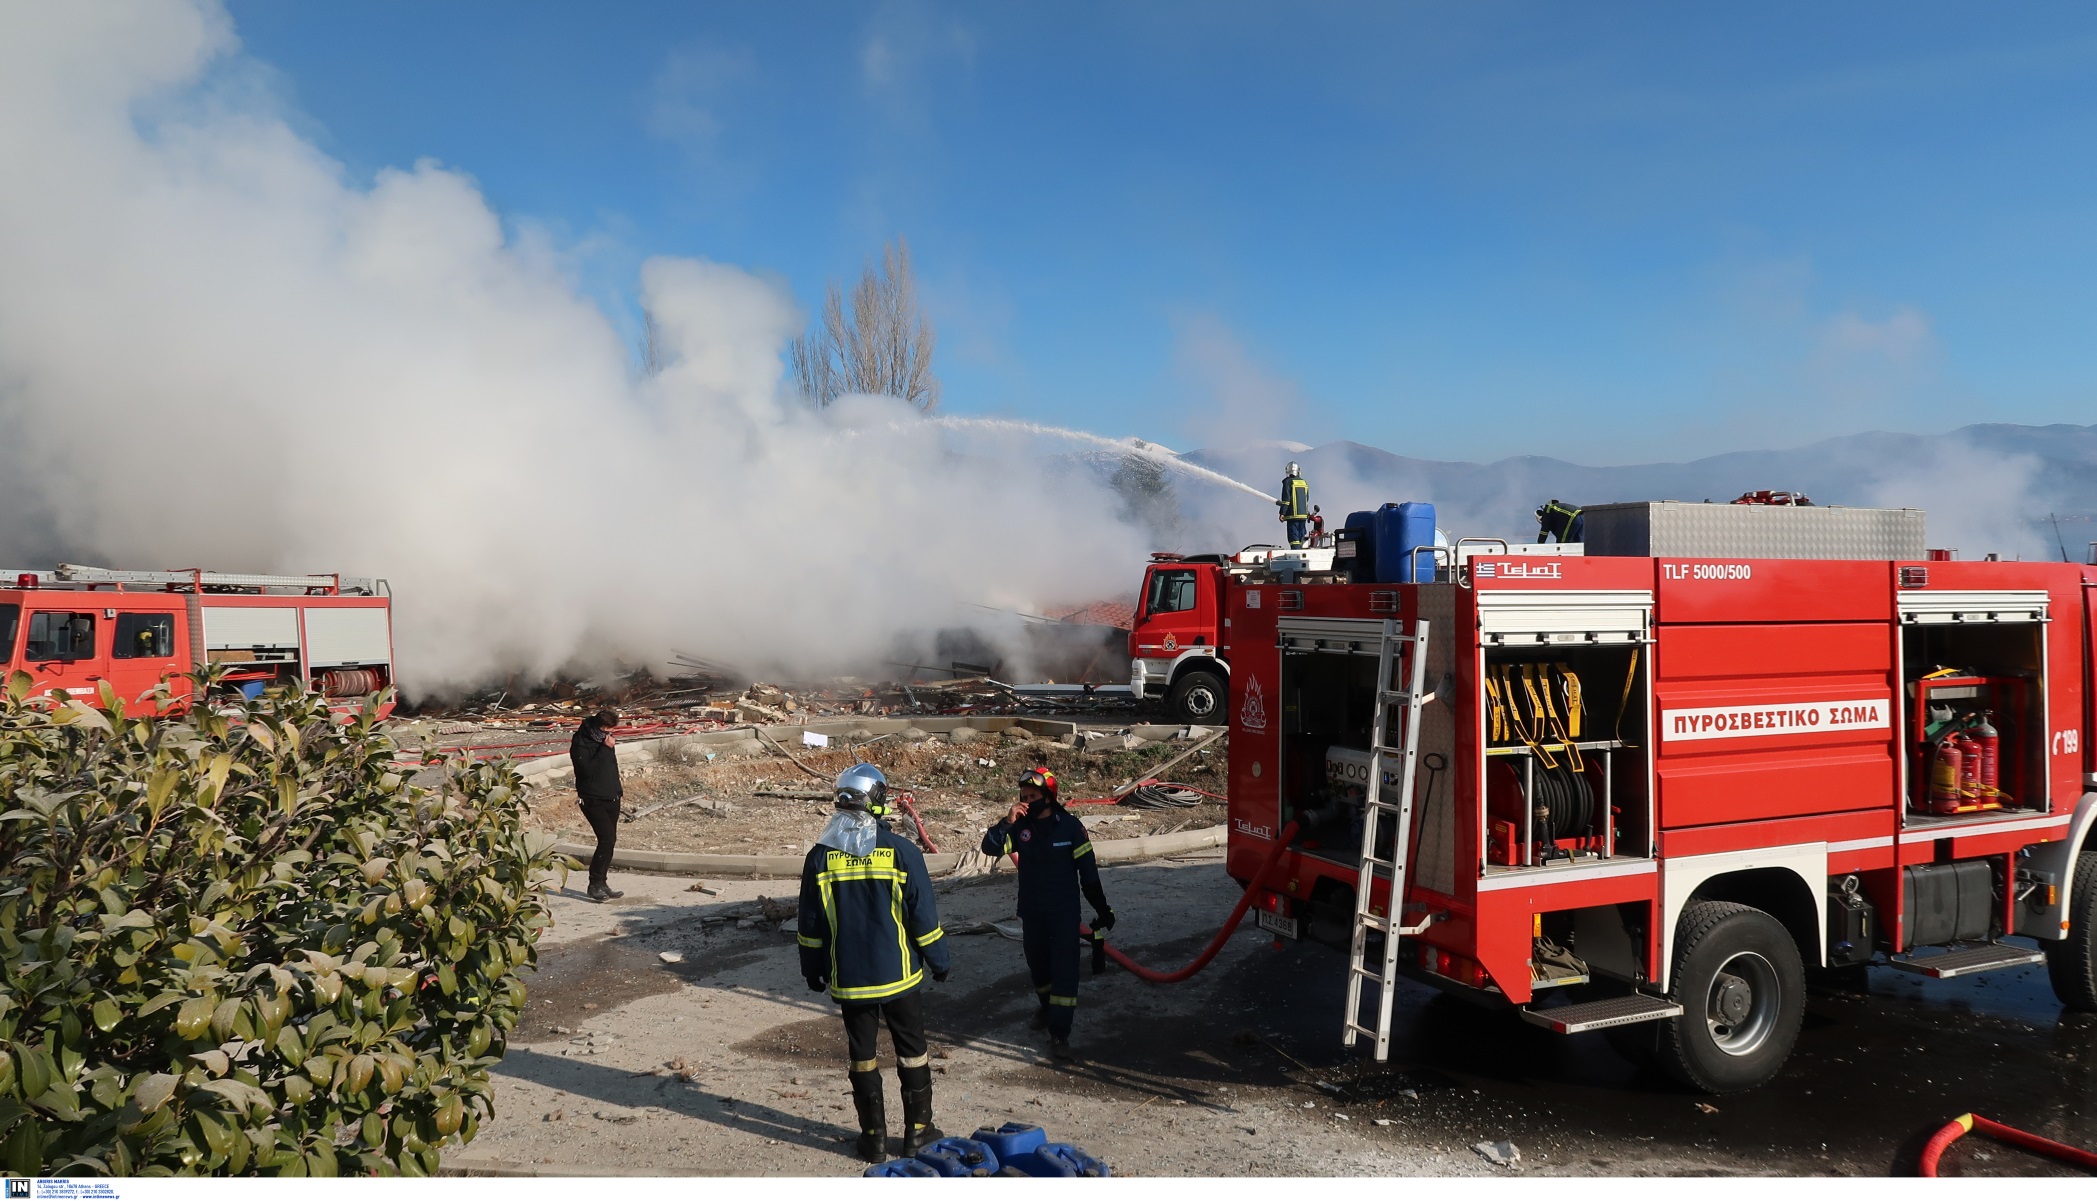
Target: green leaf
[(106, 1015), (153, 1092)]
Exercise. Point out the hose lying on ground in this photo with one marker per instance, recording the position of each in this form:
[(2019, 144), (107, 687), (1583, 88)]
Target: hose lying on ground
[(923, 839), (1958, 1126), (1230, 925)]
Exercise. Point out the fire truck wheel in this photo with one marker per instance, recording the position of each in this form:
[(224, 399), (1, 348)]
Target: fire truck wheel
[(1199, 697), (1742, 989), (2071, 963)]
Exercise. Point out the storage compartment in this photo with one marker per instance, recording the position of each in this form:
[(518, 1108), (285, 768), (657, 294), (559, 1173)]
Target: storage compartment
[(1565, 765), (1975, 721)]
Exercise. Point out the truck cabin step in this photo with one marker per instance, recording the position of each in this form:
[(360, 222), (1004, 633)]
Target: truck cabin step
[(1969, 960), (1602, 1014)]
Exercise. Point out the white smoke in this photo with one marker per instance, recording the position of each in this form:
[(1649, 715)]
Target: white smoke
[(216, 350)]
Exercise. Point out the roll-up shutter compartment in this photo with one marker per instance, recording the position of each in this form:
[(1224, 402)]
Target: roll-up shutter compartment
[(1511, 618), (252, 628), (347, 637), (1951, 607)]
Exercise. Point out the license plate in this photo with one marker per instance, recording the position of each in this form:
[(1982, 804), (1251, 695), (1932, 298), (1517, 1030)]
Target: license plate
[(1275, 922)]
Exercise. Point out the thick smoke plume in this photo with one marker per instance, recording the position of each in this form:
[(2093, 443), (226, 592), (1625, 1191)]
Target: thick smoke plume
[(217, 350)]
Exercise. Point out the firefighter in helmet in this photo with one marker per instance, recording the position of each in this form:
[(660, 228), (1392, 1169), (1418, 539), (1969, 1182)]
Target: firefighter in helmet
[(1295, 506), (1055, 863), (869, 933)]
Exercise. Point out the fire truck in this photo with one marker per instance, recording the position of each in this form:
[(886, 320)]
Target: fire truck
[(1177, 650), (76, 628), (1647, 793)]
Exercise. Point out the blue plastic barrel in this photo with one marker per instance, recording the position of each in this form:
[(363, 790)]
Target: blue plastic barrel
[(1397, 530), (252, 688), (960, 1157), (1057, 1160), (902, 1167), (1011, 1139), (1359, 533)]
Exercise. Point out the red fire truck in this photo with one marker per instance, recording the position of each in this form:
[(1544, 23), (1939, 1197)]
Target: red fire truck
[(1647, 794), (75, 628), (1176, 646)]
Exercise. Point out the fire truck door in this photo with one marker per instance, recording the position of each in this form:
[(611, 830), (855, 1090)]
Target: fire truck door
[(141, 651), (64, 648), (1179, 611)]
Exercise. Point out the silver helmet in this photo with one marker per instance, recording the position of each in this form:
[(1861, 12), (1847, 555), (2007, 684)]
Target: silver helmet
[(863, 787), (1292, 471)]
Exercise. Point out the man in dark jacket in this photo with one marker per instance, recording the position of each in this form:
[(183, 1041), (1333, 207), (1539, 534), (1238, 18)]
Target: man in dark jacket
[(869, 931), (1055, 863), (597, 787)]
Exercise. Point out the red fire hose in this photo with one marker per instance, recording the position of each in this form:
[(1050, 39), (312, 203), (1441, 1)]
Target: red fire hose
[(1957, 1128), (1230, 925), (924, 839)]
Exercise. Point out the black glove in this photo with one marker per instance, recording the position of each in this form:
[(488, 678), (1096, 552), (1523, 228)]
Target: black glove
[(817, 984), (939, 977), (1103, 920)]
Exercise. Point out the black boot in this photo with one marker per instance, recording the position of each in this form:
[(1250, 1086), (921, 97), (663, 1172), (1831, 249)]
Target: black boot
[(918, 1129), (873, 1118)]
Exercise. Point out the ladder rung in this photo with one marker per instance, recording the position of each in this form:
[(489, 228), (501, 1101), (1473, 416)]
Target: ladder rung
[(1397, 698), (1374, 923), (1365, 973)]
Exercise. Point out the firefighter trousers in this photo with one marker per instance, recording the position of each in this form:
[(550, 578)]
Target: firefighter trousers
[(1052, 959), (905, 1016)]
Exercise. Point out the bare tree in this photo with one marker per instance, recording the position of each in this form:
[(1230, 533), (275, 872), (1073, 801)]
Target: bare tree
[(881, 343)]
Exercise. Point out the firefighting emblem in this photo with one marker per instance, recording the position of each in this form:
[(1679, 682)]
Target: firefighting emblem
[(1253, 714)]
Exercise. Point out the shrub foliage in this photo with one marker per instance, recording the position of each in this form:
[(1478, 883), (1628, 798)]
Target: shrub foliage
[(246, 944)]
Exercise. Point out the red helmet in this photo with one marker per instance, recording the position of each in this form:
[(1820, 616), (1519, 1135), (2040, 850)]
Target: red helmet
[(1042, 778)]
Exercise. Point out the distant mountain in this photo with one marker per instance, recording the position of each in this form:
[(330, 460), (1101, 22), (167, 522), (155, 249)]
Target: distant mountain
[(2003, 488)]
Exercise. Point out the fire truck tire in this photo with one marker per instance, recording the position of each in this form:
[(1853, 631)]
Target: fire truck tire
[(1742, 989), (2071, 963), (1199, 697)]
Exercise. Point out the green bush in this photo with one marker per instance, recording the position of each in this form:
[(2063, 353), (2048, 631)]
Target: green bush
[(247, 944)]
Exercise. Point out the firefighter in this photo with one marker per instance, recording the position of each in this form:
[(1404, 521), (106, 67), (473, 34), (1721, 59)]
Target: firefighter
[(1559, 522), (869, 932), (1295, 506), (598, 790), (1055, 862)]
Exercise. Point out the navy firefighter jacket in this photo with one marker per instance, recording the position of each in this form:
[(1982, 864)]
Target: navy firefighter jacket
[(870, 925), (1055, 861)]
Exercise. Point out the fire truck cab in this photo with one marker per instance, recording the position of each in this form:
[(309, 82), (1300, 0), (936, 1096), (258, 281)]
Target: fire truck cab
[(75, 629), (1647, 794), (1177, 649)]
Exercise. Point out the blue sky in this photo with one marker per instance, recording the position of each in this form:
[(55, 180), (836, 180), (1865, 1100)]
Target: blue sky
[(1608, 233)]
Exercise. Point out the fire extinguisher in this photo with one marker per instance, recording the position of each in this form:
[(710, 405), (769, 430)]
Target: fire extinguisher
[(1969, 768), (1945, 769), (1990, 741)]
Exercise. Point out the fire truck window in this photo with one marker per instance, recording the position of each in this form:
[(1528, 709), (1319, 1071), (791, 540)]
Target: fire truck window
[(1171, 592), (144, 636), (61, 636), (10, 619)]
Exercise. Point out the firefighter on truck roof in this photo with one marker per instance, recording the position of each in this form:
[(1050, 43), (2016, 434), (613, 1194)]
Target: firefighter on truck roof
[(1295, 506), (869, 932), (1055, 862)]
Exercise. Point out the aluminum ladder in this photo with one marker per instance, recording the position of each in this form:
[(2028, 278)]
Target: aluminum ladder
[(1375, 809)]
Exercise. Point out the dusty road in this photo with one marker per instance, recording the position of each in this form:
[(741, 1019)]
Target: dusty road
[(1237, 1072)]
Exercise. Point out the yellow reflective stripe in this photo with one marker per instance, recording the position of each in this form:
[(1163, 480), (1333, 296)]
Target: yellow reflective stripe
[(912, 1061), (1084, 848), (926, 940), (865, 1065), (813, 944), (1008, 845), (866, 873), (895, 909), (1072, 1002), (875, 992), (1044, 988)]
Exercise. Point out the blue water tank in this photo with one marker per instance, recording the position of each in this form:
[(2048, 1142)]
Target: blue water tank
[(903, 1167), (1011, 1139), (1354, 548), (1395, 530)]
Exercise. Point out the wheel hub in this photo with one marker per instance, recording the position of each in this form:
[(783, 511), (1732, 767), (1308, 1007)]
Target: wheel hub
[(1732, 1000)]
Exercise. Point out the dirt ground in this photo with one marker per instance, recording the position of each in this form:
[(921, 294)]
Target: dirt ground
[(724, 1063), (768, 806)]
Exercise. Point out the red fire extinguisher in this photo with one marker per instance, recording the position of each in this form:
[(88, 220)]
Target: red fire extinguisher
[(1990, 741), (1969, 769), (1945, 769)]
